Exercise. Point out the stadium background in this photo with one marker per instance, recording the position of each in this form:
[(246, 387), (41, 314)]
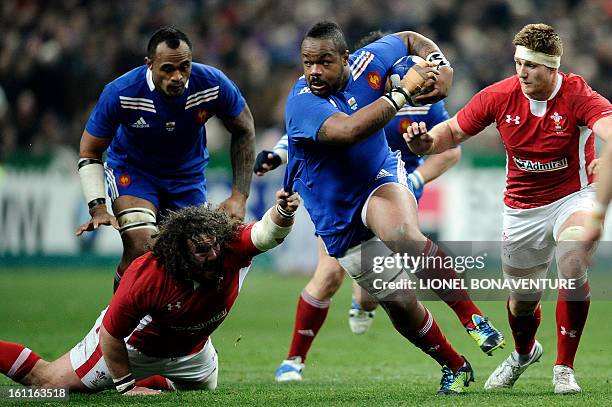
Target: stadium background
[(55, 57)]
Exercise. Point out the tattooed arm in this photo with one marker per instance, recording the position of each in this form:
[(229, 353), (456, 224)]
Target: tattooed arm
[(242, 152), (341, 128), (422, 46)]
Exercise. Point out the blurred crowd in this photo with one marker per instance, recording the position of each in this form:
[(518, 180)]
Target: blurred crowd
[(56, 56)]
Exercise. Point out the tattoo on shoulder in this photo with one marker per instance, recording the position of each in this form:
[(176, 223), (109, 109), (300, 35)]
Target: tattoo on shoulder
[(418, 44)]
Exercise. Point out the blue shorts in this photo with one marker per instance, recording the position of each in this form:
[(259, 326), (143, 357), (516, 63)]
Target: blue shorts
[(392, 171), (164, 193)]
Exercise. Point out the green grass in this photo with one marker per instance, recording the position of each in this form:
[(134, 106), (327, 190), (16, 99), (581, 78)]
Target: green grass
[(50, 310)]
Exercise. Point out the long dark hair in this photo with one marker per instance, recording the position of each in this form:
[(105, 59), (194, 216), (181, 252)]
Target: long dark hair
[(170, 243)]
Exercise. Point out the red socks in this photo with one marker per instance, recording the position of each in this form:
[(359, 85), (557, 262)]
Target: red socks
[(524, 329), (459, 299), (572, 311), (309, 318), (16, 361), (433, 342)]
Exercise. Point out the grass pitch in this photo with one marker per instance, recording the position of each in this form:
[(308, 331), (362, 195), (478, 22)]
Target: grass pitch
[(49, 310)]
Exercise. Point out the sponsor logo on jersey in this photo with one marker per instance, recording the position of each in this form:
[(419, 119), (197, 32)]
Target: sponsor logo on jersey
[(515, 119), (198, 327), (557, 118), (201, 116), (537, 166), (170, 126), (140, 123), (383, 173), (352, 103), (374, 80), (125, 180), (172, 307)]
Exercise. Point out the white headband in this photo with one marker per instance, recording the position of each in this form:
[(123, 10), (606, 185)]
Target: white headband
[(551, 61)]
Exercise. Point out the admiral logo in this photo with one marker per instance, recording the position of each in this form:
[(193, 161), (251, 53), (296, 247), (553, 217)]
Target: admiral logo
[(535, 166), (374, 80)]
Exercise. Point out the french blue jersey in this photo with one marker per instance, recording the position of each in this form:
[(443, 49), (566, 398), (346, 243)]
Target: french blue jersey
[(334, 180), (162, 136), (430, 114)]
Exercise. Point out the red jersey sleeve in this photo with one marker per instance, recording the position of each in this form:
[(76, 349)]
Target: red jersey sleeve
[(477, 114), (244, 242), (590, 106), (130, 303)]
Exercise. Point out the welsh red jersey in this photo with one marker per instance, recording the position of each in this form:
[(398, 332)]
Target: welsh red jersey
[(549, 144), (165, 317)]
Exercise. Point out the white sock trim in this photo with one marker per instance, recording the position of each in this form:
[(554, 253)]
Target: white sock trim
[(23, 356)]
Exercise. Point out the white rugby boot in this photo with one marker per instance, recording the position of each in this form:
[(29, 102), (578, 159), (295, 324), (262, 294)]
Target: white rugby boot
[(508, 372), (290, 370), (359, 319), (564, 380)]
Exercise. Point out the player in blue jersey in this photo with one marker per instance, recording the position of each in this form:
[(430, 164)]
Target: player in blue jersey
[(353, 186), (150, 121), (315, 299)]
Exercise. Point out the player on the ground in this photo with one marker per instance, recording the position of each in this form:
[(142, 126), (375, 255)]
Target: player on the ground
[(546, 119), (315, 299), (170, 300), (353, 186), (151, 120)]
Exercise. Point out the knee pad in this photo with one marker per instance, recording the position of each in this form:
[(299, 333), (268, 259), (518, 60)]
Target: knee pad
[(136, 218), (568, 242)]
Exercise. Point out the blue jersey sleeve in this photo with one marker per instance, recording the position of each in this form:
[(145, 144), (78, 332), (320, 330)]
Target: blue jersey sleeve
[(388, 50), (231, 102), (104, 119), (304, 115), (437, 114)]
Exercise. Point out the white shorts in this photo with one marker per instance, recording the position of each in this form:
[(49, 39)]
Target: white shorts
[(89, 365), (528, 237)]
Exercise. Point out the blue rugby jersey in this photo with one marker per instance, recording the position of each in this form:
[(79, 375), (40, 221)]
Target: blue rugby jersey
[(334, 180), (160, 135)]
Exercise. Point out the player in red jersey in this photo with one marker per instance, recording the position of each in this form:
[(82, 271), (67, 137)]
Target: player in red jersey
[(158, 324), (546, 119)]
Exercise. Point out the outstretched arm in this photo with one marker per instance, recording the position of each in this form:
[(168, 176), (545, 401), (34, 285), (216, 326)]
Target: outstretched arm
[(276, 223), (242, 152), (437, 165), (603, 129), (442, 137)]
